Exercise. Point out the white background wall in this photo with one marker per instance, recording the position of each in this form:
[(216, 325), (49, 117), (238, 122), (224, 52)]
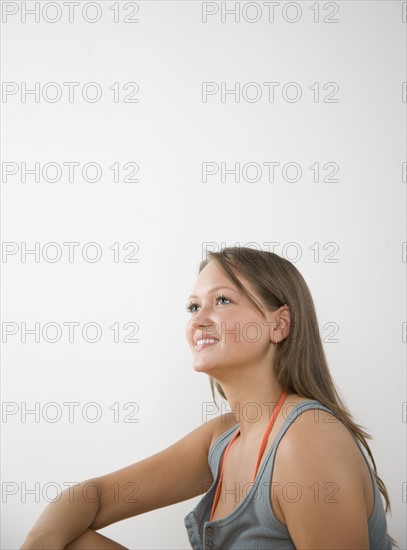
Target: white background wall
[(170, 213)]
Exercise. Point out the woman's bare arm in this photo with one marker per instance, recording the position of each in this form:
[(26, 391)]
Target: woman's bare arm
[(318, 485), (91, 540), (175, 474)]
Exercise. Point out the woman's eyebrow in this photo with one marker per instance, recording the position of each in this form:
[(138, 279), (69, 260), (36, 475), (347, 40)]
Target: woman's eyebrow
[(213, 290)]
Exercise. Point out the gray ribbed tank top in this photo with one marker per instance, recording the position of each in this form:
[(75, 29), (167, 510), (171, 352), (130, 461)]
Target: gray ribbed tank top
[(253, 525)]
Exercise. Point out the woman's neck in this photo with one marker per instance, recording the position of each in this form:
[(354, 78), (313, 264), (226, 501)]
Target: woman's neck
[(252, 402)]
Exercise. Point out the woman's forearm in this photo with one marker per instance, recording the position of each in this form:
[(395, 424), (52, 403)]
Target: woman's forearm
[(66, 518)]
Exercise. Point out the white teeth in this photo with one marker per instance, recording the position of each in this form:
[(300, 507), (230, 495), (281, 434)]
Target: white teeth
[(205, 341)]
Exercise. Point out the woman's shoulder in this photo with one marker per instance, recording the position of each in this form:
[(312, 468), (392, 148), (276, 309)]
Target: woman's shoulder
[(319, 463), (298, 402), (294, 405), (314, 435)]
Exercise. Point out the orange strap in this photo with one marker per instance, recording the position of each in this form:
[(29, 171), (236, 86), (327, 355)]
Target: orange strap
[(261, 451)]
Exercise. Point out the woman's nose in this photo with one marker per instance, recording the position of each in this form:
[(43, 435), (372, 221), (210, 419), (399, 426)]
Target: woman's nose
[(201, 321), (202, 318)]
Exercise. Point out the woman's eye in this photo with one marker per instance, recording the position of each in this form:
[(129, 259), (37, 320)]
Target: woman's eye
[(190, 307), (221, 297)]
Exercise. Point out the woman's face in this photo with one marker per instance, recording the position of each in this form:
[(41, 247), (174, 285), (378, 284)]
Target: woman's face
[(220, 311)]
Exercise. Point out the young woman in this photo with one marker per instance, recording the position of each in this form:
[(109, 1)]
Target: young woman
[(286, 469)]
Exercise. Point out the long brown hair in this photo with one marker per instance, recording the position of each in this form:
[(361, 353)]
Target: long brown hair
[(300, 364)]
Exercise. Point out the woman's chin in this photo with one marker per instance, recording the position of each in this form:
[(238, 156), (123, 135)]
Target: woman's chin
[(203, 366)]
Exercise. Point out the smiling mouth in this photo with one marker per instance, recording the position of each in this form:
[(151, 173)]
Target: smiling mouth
[(204, 343)]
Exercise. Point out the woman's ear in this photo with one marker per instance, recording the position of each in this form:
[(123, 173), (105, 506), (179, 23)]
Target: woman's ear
[(282, 324), (279, 321), (284, 320)]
